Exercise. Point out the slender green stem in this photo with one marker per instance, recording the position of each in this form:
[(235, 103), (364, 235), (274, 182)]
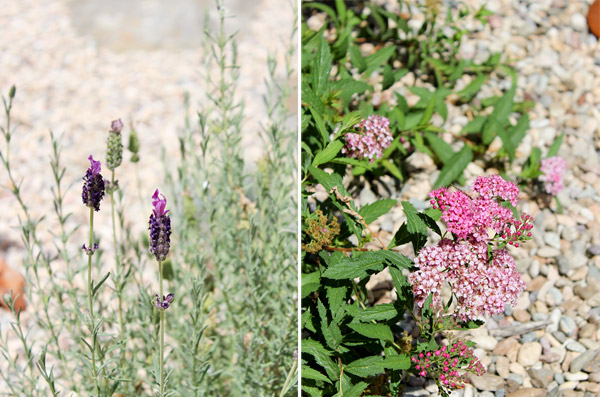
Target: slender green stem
[(118, 269), (91, 307), (289, 379), (162, 331)]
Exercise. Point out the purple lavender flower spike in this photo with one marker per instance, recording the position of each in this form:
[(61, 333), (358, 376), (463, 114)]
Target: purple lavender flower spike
[(165, 302), (90, 250), (93, 185), (160, 227), (116, 125)]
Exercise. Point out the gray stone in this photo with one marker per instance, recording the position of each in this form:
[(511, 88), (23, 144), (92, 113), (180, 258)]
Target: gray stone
[(594, 249), (548, 252), (594, 364), (554, 297), (487, 382), (570, 233), (577, 377), (500, 392), (559, 336), (534, 268), (529, 354), (567, 325), (563, 265), (574, 346), (528, 337), (552, 239), (594, 272), (585, 292), (559, 378), (540, 377), (518, 379)]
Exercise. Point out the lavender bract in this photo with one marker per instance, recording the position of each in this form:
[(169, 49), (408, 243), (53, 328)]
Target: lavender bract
[(160, 228), (93, 186)]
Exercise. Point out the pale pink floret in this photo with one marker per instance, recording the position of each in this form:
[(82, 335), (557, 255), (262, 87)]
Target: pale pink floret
[(494, 186), (373, 136), (553, 169), (480, 288)]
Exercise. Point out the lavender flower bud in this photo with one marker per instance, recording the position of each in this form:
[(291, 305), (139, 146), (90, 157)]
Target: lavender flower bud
[(134, 146), (160, 228), (114, 151), (93, 185)]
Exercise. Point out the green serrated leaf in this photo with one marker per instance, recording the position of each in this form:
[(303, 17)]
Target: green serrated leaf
[(310, 373), (385, 311), (379, 58), (354, 391), (499, 117), (373, 331), (413, 222), (553, 151), (328, 153), (441, 149), (322, 357), (475, 126), (397, 362), (391, 167), (357, 59), (467, 93), (367, 366), (310, 283), (356, 266), (451, 171), (374, 210), (321, 68)]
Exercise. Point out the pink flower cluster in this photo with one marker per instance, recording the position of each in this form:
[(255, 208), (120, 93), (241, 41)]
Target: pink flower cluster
[(553, 169), (480, 286), (481, 217), (445, 363), (373, 136)]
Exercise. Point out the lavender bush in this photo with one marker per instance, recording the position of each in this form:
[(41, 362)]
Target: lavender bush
[(219, 315)]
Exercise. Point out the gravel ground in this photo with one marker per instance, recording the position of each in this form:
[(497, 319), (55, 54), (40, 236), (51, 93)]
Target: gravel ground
[(73, 79), (550, 343)]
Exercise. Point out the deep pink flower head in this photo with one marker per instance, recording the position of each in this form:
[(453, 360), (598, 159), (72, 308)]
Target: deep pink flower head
[(475, 215), (159, 203), (553, 169), (95, 166)]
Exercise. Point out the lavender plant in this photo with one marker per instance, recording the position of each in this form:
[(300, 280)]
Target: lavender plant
[(232, 266)]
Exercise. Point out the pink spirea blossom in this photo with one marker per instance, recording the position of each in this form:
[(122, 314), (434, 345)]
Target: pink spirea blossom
[(481, 287), (446, 362), (553, 169), (373, 136), (480, 215)]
